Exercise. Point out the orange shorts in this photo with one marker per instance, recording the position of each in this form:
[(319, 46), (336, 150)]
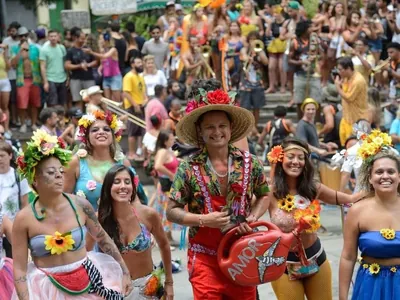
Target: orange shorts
[(208, 282), (28, 94)]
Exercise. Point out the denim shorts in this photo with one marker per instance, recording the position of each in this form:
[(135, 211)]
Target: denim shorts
[(375, 45), (113, 83)]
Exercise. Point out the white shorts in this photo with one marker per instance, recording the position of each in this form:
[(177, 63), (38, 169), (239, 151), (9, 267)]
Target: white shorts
[(5, 85)]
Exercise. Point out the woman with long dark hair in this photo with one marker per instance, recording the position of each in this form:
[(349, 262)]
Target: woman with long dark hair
[(293, 190), (166, 165), (130, 225)]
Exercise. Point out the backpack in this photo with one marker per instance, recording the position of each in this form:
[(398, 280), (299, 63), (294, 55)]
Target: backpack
[(277, 133)]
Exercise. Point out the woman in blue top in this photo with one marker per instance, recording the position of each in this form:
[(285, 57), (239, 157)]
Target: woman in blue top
[(373, 225), (99, 133)]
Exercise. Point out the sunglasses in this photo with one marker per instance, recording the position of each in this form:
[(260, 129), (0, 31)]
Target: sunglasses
[(23, 35)]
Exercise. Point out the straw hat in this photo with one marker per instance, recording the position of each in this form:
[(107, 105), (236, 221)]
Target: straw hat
[(242, 119), (330, 93), (308, 101)]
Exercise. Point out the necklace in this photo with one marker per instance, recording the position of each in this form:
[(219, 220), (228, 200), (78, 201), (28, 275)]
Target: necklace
[(212, 168)]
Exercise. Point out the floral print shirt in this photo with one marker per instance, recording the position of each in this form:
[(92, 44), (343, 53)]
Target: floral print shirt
[(186, 191)]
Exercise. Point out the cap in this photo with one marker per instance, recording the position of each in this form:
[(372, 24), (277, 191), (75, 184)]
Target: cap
[(308, 101), (75, 112), (294, 5), (178, 7), (22, 31), (170, 3), (40, 33)]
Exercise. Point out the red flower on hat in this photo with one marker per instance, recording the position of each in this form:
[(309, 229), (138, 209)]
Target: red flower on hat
[(218, 97)]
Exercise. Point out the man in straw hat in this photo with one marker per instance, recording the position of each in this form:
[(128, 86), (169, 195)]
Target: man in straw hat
[(217, 185)]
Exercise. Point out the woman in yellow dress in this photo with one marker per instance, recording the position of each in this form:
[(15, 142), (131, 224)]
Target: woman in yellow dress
[(249, 21)]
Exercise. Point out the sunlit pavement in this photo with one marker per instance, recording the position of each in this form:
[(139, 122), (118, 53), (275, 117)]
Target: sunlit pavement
[(332, 242)]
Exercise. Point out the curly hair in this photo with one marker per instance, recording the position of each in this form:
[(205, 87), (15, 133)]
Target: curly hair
[(305, 185), (205, 84), (366, 170)]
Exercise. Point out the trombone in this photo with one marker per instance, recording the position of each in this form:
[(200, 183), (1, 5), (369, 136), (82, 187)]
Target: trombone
[(379, 68), (205, 52), (257, 46), (115, 107)]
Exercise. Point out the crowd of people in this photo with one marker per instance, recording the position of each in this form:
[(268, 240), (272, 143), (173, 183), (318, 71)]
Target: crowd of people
[(75, 217)]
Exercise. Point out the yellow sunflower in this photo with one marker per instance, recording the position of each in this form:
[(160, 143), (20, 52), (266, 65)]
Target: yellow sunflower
[(289, 206), (282, 204), (59, 243), (290, 198), (365, 266), (388, 233), (393, 269), (374, 268)]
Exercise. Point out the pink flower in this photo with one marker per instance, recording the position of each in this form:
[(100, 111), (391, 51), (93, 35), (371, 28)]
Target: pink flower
[(91, 185), (136, 181), (192, 105)]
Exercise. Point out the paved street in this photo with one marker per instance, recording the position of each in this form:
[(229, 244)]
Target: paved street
[(332, 243)]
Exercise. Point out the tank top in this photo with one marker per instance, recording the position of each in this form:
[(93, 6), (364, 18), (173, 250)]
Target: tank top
[(110, 67), (120, 44)]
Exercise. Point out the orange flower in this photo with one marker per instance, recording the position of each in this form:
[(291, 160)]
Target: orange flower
[(275, 155), (151, 286), (99, 114), (315, 207), (217, 3)]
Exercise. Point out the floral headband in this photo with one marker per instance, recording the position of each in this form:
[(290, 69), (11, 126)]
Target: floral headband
[(214, 97), (87, 120), (42, 145), (374, 143), (276, 154)]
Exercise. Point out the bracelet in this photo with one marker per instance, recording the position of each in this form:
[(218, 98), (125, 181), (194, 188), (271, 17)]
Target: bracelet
[(201, 224), (337, 202), (168, 282)]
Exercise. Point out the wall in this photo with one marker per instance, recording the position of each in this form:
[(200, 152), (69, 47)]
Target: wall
[(15, 11)]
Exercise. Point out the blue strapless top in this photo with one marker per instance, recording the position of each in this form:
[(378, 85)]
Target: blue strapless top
[(38, 248), (94, 195), (373, 244)]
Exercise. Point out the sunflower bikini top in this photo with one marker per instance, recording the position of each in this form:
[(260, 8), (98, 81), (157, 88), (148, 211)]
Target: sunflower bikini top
[(45, 245)]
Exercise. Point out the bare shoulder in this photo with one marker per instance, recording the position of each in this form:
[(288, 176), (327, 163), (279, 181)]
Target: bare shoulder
[(361, 206), (24, 216)]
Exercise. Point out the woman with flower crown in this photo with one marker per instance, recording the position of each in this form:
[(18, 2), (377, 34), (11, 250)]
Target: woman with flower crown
[(99, 133), (293, 190), (373, 225), (53, 227)]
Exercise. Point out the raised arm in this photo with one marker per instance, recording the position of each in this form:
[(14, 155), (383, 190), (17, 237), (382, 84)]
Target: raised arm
[(333, 197)]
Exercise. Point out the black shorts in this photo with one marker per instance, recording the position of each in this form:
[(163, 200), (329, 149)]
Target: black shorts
[(133, 129), (13, 94), (252, 99), (57, 94)]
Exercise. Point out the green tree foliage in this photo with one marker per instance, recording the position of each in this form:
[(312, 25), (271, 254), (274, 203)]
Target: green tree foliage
[(142, 22)]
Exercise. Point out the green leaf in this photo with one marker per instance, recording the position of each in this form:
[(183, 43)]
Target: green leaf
[(202, 92), (65, 234)]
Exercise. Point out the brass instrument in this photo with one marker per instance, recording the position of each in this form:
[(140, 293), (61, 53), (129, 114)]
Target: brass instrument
[(205, 54), (255, 46), (115, 107), (379, 68)]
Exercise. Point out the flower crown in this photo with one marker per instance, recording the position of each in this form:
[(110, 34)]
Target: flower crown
[(112, 120), (41, 145), (372, 144), (208, 98)]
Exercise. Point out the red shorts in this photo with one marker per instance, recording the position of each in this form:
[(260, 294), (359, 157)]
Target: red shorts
[(208, 282), (28, 94)]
